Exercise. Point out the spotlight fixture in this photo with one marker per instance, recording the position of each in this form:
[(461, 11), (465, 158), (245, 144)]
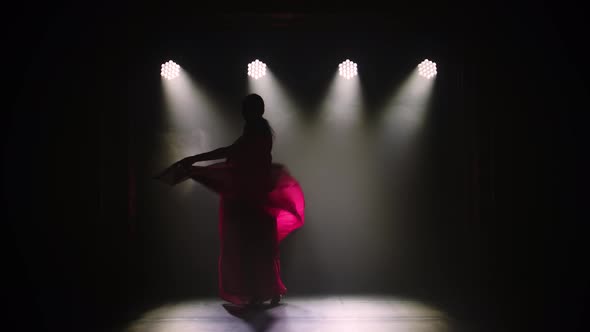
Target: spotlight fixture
[(427, 69), (256, 69), (170, 70), (347, 69)]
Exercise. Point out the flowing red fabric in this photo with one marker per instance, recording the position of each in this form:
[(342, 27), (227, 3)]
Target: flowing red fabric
[(261, 204)]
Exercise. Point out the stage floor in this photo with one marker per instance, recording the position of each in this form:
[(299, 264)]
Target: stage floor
[(326, 313)]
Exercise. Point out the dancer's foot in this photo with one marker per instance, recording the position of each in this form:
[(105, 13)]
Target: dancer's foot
[(254, 301), (275, 300)]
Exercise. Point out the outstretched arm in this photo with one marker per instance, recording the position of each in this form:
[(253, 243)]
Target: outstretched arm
[(172, 176), (211, 155)]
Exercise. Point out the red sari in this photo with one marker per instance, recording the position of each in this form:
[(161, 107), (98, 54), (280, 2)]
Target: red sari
[(261, 203)]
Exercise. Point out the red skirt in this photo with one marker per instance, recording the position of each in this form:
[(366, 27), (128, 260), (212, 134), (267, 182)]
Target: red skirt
[(254, 217)]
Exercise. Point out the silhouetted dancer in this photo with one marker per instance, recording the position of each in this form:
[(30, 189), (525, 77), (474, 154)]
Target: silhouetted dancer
[(260, 205)]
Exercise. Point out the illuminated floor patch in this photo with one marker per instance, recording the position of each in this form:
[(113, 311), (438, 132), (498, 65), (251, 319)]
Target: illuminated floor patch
[(331, 313)]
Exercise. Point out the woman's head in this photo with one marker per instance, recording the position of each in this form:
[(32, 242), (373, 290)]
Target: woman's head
[(252, 110), (252, 107)]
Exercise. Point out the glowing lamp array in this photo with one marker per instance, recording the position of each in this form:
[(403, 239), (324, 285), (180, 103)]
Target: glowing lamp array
[(427, 69), (257, 69), (170, 70)]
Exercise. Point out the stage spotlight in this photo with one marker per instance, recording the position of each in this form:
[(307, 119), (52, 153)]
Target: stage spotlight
[(347, 69), (427, 69), (170, 70), (256, 69)]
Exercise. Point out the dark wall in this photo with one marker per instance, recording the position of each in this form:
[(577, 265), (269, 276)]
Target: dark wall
[(64, 169), (506, 152)]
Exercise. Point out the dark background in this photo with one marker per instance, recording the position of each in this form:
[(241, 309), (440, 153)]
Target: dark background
[(510, 143)]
